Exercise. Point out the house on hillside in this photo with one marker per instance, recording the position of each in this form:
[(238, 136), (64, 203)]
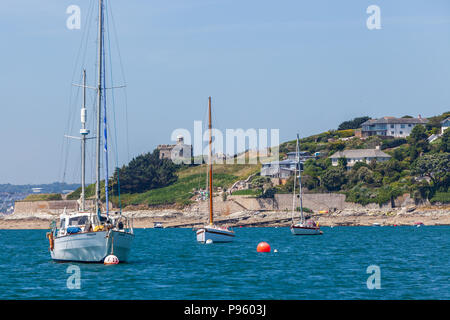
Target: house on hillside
[(358, 155), (445, 124), (278, 169), (285, 168), (390, 126)]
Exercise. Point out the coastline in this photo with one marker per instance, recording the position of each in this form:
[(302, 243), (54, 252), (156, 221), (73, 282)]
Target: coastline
[(170, 218)]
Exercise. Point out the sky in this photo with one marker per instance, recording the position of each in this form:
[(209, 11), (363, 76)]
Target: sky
[(297, 66)]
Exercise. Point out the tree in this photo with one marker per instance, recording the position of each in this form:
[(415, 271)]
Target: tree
[(434, 166), (418, 142), (145, 172), (342, 162), (353, 124), (418, 134), (333, 178), (365, 174), (445, 141)]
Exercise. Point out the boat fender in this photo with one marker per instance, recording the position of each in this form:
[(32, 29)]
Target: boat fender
[(98, 228), (50, 240)]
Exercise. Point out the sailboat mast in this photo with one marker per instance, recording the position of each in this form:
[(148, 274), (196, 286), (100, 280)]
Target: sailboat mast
[(83, 132), (99, 103), (294, 202), (211, 221), (300, 178)]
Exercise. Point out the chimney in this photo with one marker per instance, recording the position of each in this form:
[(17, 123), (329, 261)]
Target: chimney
[(377, 147)]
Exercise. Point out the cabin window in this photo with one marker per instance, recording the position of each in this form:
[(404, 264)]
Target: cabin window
[(78, 221)]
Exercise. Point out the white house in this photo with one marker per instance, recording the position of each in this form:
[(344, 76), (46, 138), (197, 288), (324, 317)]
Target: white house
[(390, 126), (445, 124), (358, 155)]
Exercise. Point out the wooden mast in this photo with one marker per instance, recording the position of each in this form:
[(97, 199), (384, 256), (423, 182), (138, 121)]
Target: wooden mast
[(211, 221)]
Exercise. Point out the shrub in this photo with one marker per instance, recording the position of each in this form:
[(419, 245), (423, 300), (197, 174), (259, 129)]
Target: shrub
[(441, 197), (392, 143)]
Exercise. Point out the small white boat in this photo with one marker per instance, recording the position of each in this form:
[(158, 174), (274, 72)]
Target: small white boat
[(215, 234), (212, 232), (304, 226), (376, 224), (308, 228), (158, 225)]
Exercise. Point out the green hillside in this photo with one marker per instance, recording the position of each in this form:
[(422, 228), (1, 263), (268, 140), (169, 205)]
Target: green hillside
[(417, 167)]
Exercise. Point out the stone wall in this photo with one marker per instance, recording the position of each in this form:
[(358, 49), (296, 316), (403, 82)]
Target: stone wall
[(283, 202), (51, 207)]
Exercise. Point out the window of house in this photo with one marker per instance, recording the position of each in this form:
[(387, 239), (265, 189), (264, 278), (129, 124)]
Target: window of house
[(409, 125), (402, 126), (392, 132), (401, 132), (392, 126)]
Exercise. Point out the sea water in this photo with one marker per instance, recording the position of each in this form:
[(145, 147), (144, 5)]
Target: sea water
[(344, 263)]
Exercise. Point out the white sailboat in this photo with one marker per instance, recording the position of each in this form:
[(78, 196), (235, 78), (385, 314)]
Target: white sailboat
[(304, 226), (211, 232), (88, 236)]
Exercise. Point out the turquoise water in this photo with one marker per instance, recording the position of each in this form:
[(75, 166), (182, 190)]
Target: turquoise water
[(169, 264)]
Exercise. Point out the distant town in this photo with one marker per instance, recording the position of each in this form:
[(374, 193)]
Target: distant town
[(10, 193)]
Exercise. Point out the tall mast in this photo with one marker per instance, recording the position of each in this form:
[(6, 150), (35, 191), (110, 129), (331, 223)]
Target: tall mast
[(211, 221), (294, 202), (99, 102), (299, 177), (84, 132)]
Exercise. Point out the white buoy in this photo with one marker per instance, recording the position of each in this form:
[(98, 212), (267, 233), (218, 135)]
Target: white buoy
[(209, 241), (111, 259), (275, 250)]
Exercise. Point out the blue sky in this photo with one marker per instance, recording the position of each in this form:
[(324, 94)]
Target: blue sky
[(298, 66)]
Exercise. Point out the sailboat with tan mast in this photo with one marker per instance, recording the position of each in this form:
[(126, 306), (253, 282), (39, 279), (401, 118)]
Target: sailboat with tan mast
[(212, 232)]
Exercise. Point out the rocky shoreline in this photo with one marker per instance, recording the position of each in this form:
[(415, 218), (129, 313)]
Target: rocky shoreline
[(171, 218)]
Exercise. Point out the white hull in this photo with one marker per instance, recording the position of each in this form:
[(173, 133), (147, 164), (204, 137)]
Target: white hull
[(302, 230), (92, 246), (215, 234)]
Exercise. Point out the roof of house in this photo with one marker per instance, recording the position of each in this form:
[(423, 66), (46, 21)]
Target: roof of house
[(360, 153), (300, 153), (445, 120), (391, 120), (282, 162)]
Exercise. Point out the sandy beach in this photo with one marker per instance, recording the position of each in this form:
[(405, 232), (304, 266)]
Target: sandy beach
[(171, 218)]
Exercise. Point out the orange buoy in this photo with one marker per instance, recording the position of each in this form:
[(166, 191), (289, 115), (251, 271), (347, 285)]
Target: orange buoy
[(263, 247), (111, 259)]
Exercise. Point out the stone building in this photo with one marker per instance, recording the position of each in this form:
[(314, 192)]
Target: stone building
[(179, 152)]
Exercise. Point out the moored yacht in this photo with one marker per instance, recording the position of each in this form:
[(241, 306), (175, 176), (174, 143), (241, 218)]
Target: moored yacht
[(212, 232), (306, 225), (92, 235)]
